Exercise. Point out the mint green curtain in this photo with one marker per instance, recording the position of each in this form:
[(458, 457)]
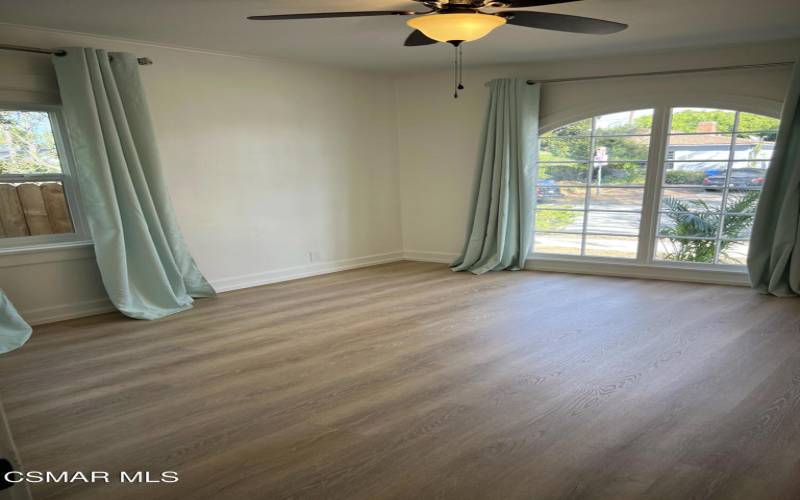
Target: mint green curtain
[(144, 262), (14, 331), (500, 224), (774, 258)]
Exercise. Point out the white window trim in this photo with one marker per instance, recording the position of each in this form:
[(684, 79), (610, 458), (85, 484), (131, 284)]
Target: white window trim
[(604, 266), (645, 265), (50, 242)]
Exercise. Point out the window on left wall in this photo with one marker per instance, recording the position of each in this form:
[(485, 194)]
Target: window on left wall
[(38, 194)]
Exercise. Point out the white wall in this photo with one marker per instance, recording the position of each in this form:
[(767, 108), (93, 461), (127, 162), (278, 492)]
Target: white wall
[(438, 135), (266, 161)]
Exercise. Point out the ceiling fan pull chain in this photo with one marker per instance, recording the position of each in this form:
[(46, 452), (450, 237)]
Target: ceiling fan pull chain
[(460, 68), (455, 73)]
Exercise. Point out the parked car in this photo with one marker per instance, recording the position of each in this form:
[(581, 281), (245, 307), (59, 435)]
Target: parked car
[(714, 171), (740, 178), (547, 189)]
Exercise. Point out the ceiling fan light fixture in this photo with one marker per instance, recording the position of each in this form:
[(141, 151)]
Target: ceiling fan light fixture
[(456, 27)]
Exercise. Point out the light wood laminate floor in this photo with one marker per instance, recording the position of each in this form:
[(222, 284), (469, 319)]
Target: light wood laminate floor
[(409, 381)]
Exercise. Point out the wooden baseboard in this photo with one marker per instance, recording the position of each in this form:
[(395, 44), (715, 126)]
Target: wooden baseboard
[(292, 273), (422, 256), (61, 312)]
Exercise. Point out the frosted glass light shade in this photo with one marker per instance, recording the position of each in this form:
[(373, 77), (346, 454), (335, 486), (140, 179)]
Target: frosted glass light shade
[(456, 27)]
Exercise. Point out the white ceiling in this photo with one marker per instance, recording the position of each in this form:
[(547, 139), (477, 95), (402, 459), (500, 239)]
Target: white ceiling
[(377, 43)]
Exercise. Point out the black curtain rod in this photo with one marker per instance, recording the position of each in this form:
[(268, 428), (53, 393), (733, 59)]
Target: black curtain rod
[(667, 72), (143, 61)]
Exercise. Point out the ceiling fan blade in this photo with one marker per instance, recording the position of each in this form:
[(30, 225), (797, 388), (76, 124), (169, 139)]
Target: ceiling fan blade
[(329, 15), (520, 4), (418, 38), (562, 22)]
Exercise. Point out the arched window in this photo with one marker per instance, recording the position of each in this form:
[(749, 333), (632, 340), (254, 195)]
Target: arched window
[(655, 186)]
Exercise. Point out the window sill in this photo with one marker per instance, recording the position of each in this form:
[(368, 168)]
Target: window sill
[(736, 275), (50, 252)]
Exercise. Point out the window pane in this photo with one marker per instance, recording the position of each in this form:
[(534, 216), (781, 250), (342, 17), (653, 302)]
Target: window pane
[(742, 201), (628, 173), (694, 173), (698, 166), (637, 122), (734, 252), (564, 149), (689, 224), (554, 243), (740, 178), (559, 220), (33, 208), (562, 173), (690, 199), (744, 175), (564, 197), (583, 127), (753, 147), (762, 164), (690, 120), (699, 148), (610, 149), (616, 199), (685, 250), (26, 143), (612, 246), (737, 226), (613, 223), (749, 122)]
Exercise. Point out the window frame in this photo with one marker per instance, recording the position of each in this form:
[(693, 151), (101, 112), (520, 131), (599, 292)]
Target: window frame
[(645, 264), (80, 236)]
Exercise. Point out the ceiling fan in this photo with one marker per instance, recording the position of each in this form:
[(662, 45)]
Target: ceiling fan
[(459, 21)]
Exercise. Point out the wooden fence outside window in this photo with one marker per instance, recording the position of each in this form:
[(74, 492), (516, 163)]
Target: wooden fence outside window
[(33, 208)]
